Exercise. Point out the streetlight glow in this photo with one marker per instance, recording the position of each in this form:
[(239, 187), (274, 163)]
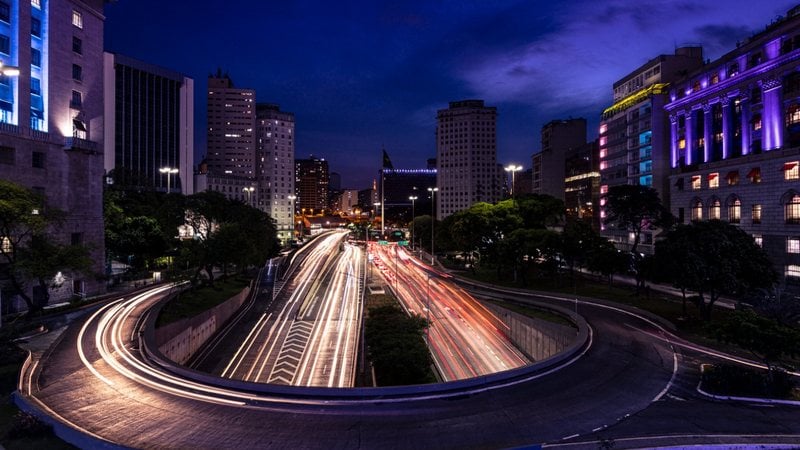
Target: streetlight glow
[(412, 198), (433, 191), (249, 191), (513, 168), (169, 171)]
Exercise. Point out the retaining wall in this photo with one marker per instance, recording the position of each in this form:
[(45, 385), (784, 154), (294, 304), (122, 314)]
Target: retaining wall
[(179, 340), (538, 338)]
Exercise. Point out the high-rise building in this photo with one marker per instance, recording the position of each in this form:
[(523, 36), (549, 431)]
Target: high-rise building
[(582, 182), (634, 133), (734, 143), (311, 184), (558, 138), (466, 155), (51, 125), (275, 177), (231, 128), (149, 117)]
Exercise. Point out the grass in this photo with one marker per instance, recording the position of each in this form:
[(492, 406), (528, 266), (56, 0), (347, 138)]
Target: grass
[(534, 312), (201, 298)]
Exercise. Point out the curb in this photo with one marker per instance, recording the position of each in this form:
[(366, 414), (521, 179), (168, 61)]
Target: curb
[(761, 400)]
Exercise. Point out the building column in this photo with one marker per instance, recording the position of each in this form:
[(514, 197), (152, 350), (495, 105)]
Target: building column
[(673, 140), (689, 138), (726, 126), (772, 117), (744, 103), (708, 136)]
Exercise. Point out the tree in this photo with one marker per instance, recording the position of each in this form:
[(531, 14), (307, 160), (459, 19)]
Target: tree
[(27, 248), (605, 259), (634, 208), (539, 211), (396, 346), (715, 258)]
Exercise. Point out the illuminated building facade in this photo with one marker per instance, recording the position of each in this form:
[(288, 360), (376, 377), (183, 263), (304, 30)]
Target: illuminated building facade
[(149, 117), (735, 143), (276, 180), (634, 134), (466, 156), (311, 184), (558, 138), (231, 128), (51, 124)]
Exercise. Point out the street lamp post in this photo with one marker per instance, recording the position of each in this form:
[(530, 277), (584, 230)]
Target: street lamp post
[(249, 191), (169, 171), (412, 198), (513, 168), (433, 191), (376, 204), (291, 212)]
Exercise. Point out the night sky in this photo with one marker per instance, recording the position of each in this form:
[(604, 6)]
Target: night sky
[(362, 75)]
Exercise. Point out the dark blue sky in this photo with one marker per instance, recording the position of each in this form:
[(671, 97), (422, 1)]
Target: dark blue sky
[(364, 74)]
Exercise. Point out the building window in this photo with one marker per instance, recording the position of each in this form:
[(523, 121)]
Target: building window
[(7, 156), (714, 210), (5, 12), (733, 70), (37, 160), (77, 19), (696, 182), (754, 175), (76, 101), (36, 57), (713, 180), (5, 44), (733, 178), (756, 214), (792, 210), (36, 4), (77, 45), (735, 211), (759, 240), (791, 171), (793, 271), (756, 122), (697, 211), (79, 129), (77, 72), (36, 27), (793, 245), (792, 114)]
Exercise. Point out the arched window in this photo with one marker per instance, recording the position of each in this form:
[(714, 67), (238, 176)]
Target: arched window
[(734, 210), (792, 210), (714, 209), (697, 210)]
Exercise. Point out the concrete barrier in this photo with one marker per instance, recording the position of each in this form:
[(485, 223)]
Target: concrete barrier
[(537, 338)]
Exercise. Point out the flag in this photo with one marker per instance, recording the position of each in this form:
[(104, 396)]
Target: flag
[(387, 163)]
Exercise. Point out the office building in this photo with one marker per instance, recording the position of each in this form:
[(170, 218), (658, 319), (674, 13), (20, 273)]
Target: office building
[(634, 134), (466, 155), (735, 143), (52, 126), (558, 138), (399, 185), (582, 183), (276, 165), (311, 184), (231, 128), (149, 117)]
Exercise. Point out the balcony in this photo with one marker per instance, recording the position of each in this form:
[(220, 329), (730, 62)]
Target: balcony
[(78, 144)]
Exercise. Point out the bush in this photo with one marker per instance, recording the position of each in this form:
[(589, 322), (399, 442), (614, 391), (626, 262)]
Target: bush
[(27, 426), (740, 381)]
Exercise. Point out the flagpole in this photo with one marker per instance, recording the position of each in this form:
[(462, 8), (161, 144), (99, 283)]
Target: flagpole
[(383, 200)]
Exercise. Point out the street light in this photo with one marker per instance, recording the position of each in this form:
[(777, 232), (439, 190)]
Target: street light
[(513, 168), (292, 199), (249, 191), (412, 198), (376, 204), (433, 191), (169, 171)]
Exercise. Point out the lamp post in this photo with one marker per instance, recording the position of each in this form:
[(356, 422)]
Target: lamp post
[(291, 211), (433, 191), (412, 198), (249, 191), (169, 171), (513, 168), (376, 204)]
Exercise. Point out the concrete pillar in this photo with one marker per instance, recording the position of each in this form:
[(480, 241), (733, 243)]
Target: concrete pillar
[(708, 136)]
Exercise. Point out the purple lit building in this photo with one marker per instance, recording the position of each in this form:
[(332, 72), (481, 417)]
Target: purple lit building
[(735, 142)]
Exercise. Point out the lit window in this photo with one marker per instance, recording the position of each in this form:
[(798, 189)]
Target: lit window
[(79, 129), (696, 182), (77, 19), (759, 240), (36, 4), (756, 214), (793, 115), (793, 270), (735, 211), (756, 122), (791, 171), (754, 175), (733, 178), (682, 143), (793, 245), (713, 180), (792, 210), (5, 245), (714, 210), (697, 211)]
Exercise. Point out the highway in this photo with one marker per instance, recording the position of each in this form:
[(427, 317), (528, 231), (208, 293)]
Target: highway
[(635, 384), (308, 334), (466, 340)]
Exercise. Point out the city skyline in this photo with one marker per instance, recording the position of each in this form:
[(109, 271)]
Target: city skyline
[(360, 77)]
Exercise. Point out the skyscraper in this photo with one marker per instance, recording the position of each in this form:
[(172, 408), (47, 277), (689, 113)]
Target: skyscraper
[(149, 116), (558, 138), (51, 138), (466, 154), (311, 183), (231, 128), (275, 177)]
